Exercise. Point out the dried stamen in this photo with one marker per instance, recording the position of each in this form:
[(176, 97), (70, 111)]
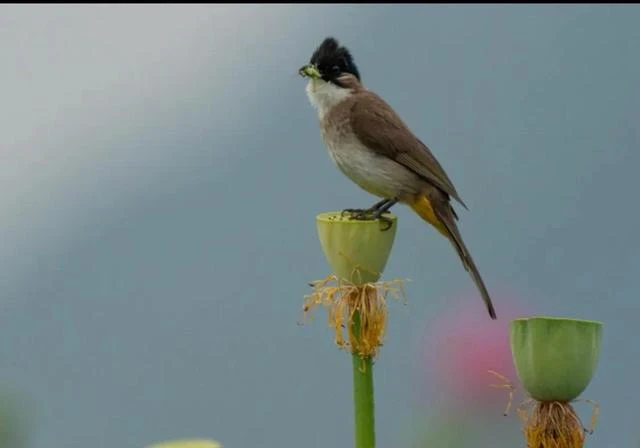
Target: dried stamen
[(342, 300)]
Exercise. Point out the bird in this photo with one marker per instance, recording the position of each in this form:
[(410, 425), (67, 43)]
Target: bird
[(370, 144)]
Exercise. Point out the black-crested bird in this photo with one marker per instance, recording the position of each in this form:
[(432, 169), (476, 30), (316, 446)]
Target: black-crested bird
[(371, 145)]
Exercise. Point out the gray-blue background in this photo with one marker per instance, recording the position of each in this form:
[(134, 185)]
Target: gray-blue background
[(162, 167)]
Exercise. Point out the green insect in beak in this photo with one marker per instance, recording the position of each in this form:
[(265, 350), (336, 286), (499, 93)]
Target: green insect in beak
[(310, 71)]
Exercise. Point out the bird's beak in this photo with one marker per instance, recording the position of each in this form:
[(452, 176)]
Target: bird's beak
[(310, 71)]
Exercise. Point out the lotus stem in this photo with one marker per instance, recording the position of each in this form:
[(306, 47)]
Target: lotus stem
[(363, 401)]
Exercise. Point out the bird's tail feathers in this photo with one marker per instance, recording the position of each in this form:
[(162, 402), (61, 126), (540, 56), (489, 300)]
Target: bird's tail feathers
[(443, 219)]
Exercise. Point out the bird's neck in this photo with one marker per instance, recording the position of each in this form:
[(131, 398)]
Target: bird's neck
[(325, 95)]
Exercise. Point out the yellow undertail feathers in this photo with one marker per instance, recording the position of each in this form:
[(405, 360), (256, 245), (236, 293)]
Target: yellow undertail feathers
[(422, 206)]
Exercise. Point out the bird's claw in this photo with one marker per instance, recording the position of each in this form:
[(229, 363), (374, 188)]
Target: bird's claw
[(368, 215), (353, 211), (360, 214), (386, 221)]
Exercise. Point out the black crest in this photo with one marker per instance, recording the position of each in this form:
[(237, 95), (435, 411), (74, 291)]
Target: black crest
[(332, 60)]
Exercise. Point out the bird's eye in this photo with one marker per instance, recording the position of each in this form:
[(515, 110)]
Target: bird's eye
[(335, 70)]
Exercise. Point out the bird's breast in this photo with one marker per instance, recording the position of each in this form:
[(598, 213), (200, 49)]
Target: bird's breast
[(373, 172)]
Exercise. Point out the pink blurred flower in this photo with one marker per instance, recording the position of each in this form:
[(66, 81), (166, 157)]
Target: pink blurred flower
[(464, 344)]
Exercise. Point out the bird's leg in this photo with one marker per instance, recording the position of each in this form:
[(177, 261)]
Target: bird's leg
[(376, 212), (365, 211), (380, 204), (385, 208)]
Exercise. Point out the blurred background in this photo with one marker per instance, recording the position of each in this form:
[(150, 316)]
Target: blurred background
[(161, 172)]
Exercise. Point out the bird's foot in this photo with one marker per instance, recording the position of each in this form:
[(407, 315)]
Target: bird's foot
[(379, 206), (369, 214), (387, 222), (383, 207), (374, 212), (355, 211), (359, 214)]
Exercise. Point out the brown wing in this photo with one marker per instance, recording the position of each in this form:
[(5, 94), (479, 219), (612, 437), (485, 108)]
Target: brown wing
[(380, 128)]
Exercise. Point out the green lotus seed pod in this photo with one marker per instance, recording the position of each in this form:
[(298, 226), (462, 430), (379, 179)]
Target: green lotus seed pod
[(356, 250), (555, 358)]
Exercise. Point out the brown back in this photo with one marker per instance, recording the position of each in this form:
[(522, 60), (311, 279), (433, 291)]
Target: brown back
[(381, 129)]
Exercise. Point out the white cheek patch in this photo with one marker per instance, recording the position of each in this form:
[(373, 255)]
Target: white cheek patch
[(324, 95)]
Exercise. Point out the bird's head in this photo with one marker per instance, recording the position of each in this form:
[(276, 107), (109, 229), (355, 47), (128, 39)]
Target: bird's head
[(332, 73), (331, 62)]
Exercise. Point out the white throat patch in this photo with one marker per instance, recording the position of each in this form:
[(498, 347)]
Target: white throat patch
[(324, 95)]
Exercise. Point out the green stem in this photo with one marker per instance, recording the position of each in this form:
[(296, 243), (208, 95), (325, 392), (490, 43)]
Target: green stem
[(365, 436)]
